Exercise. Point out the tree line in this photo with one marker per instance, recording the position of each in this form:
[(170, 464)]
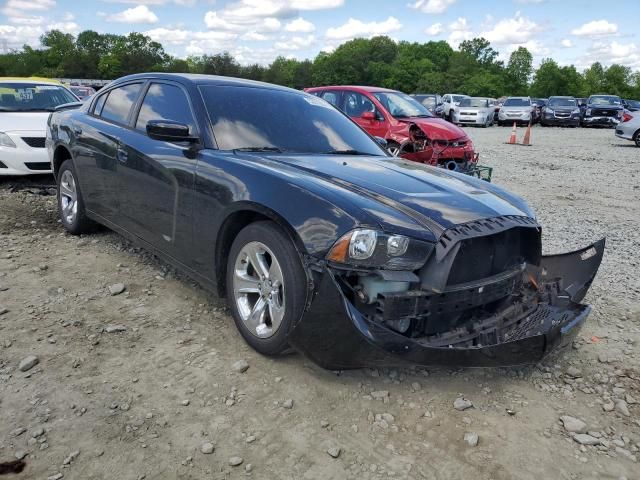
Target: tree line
[(431, 67)]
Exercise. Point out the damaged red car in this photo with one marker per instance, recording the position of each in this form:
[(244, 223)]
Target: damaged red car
[(411, 131)]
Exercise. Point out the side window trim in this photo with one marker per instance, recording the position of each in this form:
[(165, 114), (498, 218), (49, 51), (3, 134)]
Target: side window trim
[(136, 109), (126, 124)]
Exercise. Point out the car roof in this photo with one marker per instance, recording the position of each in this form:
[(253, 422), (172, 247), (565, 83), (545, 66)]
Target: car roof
[(356, 88), (200, 79), (524, 98), (29, 80), (561, 96)]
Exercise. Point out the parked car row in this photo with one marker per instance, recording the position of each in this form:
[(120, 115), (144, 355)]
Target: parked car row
[(597, 110), (320, 240)]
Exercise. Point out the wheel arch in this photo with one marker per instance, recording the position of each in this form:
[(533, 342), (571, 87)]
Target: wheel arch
[(60, 155), (242, 215)]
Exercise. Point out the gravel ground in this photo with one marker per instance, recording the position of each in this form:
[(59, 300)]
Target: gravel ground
[(155, 382)]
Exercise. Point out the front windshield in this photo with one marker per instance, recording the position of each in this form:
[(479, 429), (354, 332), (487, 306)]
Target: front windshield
[(633, 103), (517, 102), (562, 102), (605, 100), (401, 105), (265, 119), (474, 102), (32, 97), (457, 98), (428, 101)]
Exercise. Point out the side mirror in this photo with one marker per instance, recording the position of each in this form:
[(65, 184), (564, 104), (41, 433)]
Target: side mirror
[(381, 141), (169, 131), (368, 116)]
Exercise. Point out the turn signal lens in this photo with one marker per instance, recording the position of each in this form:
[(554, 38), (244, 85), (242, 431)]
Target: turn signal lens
[(340, 250)]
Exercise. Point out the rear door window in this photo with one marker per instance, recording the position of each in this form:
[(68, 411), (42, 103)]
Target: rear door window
[(119, 102), (355, 104), (165, 102), (332, 97)]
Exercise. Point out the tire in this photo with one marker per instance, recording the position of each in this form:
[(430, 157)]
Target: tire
[(263, 253), (70, 202), (636, 138)]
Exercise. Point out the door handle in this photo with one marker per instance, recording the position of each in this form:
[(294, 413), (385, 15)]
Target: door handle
[(121, 153)]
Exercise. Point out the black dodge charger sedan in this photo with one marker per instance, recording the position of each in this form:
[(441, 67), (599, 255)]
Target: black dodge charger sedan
[(320, 240)]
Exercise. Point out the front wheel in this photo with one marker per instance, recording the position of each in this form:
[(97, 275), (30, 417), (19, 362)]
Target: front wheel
[(70, 201), (636, 138), (266, 286)]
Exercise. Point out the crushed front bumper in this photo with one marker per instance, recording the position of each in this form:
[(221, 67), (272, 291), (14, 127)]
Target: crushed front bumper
[(335, 335)]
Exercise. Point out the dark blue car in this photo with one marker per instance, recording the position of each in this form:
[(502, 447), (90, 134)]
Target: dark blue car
[(320, 240)]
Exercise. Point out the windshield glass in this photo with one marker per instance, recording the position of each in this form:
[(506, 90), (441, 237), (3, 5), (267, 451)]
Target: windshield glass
[(563, 102), (517, 102), (457, 98), (266, 119), (474, 102), (633, 103), (32, 97), (428, 101), (401, 105), (605, 100)]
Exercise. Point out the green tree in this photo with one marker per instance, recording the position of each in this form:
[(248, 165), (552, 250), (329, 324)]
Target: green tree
[(594, 79), (519, 71), (480, 50)]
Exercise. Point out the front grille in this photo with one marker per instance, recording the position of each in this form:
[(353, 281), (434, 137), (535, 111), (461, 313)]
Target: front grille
[(485, 256), (2, 165), (597, 112), (562, 115), (38, 165), (468, 113), (34, 142)]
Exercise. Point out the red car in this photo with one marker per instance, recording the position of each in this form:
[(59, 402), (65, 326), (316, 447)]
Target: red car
[(410, 130)]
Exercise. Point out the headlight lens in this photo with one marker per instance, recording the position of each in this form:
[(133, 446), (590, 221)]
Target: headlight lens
[(6, 141), (375, 249)]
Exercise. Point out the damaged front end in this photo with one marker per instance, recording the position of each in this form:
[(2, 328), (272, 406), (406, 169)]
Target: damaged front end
[(457, 155), (485, 297)]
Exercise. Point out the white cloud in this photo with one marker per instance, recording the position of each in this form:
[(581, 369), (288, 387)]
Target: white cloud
[(295, 43), (596, 28), (139, 14), (22, 12), (255, 37), (193, 42), (607, 53), (459, 31), (566, 43), (214, 20), (516, 30), (15, 36), (435, 29), (187, 3), (357, 28), (432, 6), (300, 25)]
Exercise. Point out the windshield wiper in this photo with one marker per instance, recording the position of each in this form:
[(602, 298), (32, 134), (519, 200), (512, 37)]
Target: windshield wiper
[(258, 149), (347, 152)]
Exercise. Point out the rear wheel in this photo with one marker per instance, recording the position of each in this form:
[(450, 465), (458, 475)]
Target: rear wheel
[(266, 285), (70, 202), (636, 138), (393, 148)]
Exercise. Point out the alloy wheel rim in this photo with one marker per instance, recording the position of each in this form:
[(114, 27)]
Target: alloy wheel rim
[(395, 151), (68, 197), (258, 289)]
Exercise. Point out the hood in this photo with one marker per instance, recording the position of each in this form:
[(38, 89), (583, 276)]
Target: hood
[(524, 108), (395, 192), (23, 121), (437, 128)]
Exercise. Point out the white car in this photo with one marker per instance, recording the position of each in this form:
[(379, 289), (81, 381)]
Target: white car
[(450, 101), (474, 111), (515, 109), (25, 105), (629, 127)]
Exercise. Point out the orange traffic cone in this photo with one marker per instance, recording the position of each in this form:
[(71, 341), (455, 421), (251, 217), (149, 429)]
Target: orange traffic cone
[(512, 139), (526, 141)]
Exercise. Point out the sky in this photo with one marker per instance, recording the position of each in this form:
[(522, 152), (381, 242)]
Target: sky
[(577, 32)]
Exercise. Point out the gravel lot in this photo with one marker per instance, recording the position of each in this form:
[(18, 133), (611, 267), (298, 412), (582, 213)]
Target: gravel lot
[(146, 384)]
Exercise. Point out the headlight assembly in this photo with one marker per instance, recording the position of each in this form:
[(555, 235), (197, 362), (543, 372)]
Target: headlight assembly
[(376, 249), (5, 140)]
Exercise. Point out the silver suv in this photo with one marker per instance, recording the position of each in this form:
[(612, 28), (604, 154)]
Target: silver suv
[(515, 109)]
